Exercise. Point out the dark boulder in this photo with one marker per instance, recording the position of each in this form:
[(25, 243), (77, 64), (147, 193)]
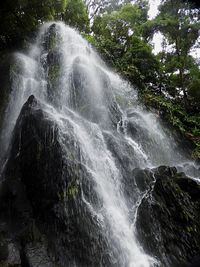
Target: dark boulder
[(47, 189), (143, 179), (168, 221), (51, 60)]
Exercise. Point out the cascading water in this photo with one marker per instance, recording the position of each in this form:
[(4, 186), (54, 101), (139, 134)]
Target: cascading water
[(83, 97)]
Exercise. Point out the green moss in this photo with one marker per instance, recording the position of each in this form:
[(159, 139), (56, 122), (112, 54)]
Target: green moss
[(15, 68), (53, 73), (72, 190), (52, 41), (187, 216)]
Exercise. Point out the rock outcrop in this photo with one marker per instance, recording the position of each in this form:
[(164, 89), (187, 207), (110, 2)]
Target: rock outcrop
[(169, 216), (43, 196), (46, 192)]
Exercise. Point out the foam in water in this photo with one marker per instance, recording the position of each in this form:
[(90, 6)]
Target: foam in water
[(84, 98)]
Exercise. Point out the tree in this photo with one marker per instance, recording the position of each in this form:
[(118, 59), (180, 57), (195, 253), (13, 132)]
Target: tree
[(19, 18), (97, 7), (118, 36), (119, 25), (139, 63), (76, 15), (179, 24)]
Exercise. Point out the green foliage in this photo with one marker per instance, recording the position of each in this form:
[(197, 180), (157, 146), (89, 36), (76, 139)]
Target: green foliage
[(180, 26), (19, 18), (120, 24), (194, 84), (76, 15), (118, 37), (139, 54), (97, 7)]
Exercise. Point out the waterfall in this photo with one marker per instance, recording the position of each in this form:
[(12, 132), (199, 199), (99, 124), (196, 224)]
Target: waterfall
[(108, 124)]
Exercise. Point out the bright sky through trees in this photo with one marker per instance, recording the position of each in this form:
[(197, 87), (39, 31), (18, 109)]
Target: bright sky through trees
[(157, 39), (153, 10)]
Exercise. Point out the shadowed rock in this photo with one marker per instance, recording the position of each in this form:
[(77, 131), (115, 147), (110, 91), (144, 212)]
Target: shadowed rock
[(41, 197), (169, 219)]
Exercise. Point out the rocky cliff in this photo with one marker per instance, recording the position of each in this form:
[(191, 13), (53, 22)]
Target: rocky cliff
[(43, 219)]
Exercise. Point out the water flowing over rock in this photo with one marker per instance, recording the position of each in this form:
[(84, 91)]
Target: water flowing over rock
[(77, 187)]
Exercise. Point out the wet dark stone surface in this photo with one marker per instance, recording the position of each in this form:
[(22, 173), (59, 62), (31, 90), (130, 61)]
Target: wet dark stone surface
[(169, 217), (43, 216), (41, 198)]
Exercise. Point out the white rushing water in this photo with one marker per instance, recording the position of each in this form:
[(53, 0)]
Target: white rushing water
[(80, 102)]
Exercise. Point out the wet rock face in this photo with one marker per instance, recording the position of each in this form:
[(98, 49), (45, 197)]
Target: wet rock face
[(51, 61), (169, 218), (21, 193), (43, 212), (41, 198)]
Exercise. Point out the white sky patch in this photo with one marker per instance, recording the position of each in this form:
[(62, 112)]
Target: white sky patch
[(153, 10), (158, 37), (157, 42), (195, 51)]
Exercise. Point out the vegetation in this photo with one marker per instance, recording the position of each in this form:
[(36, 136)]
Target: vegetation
[(76, 15), (122, 33), (119, 38), (178, 24), (19, 19)]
